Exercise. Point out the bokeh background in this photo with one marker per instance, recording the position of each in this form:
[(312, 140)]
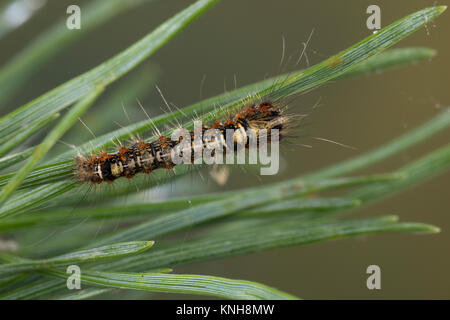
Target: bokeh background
[(242, 40)]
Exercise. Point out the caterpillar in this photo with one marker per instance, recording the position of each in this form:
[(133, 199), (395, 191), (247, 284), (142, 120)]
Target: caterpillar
[(145, 157)]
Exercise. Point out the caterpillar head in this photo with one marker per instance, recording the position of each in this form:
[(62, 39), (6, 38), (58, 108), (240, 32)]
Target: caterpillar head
[(86, 169)]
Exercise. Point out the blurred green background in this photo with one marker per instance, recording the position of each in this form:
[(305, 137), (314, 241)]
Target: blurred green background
[(242, 40)]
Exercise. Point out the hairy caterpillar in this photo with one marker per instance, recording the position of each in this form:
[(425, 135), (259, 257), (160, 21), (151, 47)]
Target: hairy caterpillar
[(143, 157)]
